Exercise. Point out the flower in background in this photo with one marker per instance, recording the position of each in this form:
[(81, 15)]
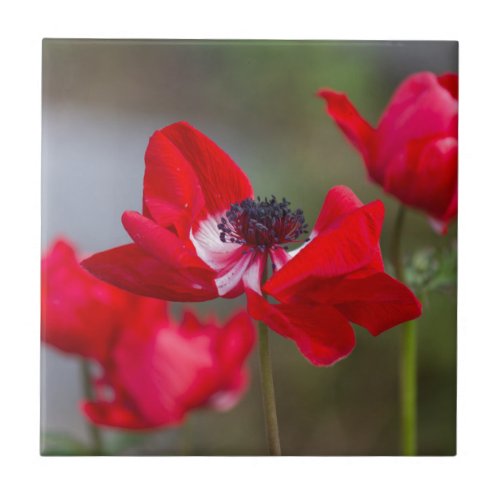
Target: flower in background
[(153, 370), (80, 314), (159, 370), (202, 234), (413, 152)]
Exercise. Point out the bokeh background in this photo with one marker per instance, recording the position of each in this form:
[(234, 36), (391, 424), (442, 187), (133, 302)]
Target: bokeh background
[(101, 102)]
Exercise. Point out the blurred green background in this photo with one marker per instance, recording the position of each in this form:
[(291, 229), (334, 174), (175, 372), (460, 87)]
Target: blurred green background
[(101, 102)]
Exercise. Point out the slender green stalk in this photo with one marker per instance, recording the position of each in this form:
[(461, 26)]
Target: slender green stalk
[(408, 387), (94, 431), (408, 354), (396, 243), (268, 398)]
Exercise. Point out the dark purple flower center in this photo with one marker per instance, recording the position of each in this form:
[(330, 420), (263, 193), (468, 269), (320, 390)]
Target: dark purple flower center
[(262, 223)]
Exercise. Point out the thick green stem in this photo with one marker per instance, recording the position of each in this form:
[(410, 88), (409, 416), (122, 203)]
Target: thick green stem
[(268, 398), (94, 431), (408, 354)]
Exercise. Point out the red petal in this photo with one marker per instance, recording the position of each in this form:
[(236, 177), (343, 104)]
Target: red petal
[(119, 416), (132, 269), (359, 132), (450, 82), (161, 243), (221, 180), (172, 193), (80, 314), (229, 396), (426, 176), (419, 108), (375, 301), (234, 342), (348, 245), (321, 333), (340, 200)]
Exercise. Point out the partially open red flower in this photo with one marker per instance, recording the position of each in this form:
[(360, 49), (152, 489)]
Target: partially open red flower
[(159, 371), (202, 234), (413, 151)]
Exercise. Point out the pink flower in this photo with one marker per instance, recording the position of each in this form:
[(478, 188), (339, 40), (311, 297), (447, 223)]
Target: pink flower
[(413, 152), (80, 314), (160, 370)]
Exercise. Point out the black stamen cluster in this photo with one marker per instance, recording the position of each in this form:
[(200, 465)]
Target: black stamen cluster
[(262, 223)]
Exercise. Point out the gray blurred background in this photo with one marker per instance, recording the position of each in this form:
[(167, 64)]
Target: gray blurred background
[(101, 102)]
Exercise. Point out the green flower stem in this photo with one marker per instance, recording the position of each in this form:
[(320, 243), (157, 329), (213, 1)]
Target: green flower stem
[(408, 387), (408, 354), (268, 398), (94, 431)]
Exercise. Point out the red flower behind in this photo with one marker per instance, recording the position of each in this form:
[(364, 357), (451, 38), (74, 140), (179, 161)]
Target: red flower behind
[(413, 152), (153, 370), (159, 371), (203, 235), (80, 314)]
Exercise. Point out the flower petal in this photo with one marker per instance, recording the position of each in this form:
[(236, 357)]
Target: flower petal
[(322, 334), (234, 342), (172, 195), (419, 108), (116, 414), (340, 200), (161, 243), (132, 269), (209, 247), (221, 180), (79, 313), (359, 132), (237, 266), (450, 82), (375, 301), (348, 245), (428, 166)]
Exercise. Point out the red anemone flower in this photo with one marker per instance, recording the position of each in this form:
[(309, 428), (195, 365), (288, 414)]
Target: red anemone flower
[(203, 235), (159, 371), (413, 151)]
